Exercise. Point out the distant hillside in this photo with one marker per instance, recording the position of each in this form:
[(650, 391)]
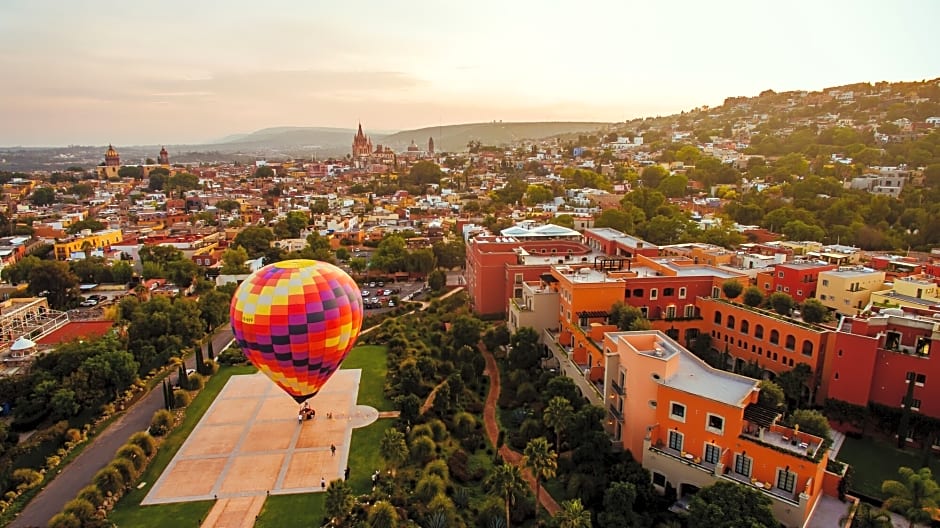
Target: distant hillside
[(454, 138), (288, 138)]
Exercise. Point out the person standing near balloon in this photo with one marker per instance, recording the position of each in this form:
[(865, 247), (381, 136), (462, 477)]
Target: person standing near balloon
[(296, 320)]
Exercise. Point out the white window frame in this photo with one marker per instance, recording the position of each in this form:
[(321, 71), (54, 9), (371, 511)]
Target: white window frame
[(676, 434), (676, 417), (682, 292), (791, 478), (715, 430), (715, 449), (750, 464), (654, 294)]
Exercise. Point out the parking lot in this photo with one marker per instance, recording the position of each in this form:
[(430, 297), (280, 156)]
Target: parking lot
[(380, 294)]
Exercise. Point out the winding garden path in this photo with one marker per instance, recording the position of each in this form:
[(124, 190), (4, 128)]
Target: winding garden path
[(491, 425)]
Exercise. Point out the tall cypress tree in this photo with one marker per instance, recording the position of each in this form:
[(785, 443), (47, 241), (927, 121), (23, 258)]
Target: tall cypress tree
[(183, 378), (210, 352), (200, 364)]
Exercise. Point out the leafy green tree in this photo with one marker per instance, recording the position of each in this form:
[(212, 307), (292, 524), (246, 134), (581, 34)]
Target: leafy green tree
[(647, 199), (233, 261), (771, 395), (421, 261), (425, 173), (619, 219), (152, 270), (43, 196), (538, 194), (88, 223), (340, 501), (731, 288), (730, 505), (228, 205), (915, 496), (160, 255), (121, 272), (674, 186), (214, 307), (794, 382), (814, 311), (753, 296), (542, 461), (437, 279), (653, 175), (56, 281), (573, 515), (450, 254), (182, 182), (182, 272), (811, 421), (358, 265), (506, 482), (495, 337), (524, 349), (132, 171), (781, 303), (292, 225), (619, 506), (393, 448), (466, 331), (264, 171), (557, 416), (255, 239)]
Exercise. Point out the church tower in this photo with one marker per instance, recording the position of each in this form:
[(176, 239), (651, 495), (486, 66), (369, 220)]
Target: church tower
[(362, 145), (111, 158), (431, 145), (164, 158)]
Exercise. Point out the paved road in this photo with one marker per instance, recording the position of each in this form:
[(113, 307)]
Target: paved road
[(99, 453)]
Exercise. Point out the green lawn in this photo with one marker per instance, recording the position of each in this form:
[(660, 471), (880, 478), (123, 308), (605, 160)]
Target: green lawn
[(372, 360), (128, 511), (364, 456), (875, 461), (304, 510)]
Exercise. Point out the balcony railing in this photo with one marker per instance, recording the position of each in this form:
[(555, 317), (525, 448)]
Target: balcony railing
[(617, 387), (616, 413)]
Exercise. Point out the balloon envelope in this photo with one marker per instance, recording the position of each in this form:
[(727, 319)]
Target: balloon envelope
[(296, 321)]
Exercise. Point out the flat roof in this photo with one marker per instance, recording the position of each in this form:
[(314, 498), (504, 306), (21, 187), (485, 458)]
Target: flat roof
[(853, 272), (694, 270)]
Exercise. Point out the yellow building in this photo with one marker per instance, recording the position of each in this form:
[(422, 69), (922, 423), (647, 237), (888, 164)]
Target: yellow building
[(916, 291), (87, 239), (848, 289)]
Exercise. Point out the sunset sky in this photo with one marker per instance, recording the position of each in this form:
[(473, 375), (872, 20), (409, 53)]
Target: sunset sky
[(171, 72)]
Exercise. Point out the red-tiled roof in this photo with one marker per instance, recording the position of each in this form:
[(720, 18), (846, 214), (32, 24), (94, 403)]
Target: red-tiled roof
[(77, 330)]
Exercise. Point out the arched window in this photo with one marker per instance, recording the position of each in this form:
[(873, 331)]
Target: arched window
[(731, 322), (717, 317), (807, 348), (759, 331), (775, 337), (745, 326), (790, 343)]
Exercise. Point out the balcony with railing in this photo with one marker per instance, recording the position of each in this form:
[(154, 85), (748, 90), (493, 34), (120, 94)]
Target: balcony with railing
[(617, 388), (615, 412)]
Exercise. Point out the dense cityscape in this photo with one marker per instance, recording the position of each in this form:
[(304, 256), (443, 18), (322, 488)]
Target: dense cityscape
[(723, 317)]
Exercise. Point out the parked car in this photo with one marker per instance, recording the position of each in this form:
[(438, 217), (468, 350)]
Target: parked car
[(88, 303), (365, 293)]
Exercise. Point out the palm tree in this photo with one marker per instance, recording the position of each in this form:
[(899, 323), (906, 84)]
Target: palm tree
[(914, 496), (573, 515), (339, 500), (543, 462), (864, 516), (557, 416), (393, 448), (506, 481), (383, 515)]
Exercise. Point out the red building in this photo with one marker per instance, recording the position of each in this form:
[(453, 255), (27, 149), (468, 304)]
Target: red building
[(614, 243), (874, 359), (498, 265), (796, 279)]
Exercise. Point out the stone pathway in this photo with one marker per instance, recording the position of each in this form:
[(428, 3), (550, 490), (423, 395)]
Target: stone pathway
[(491, 426), (239, 512)]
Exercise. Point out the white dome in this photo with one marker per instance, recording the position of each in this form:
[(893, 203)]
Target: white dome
[(22, 344)]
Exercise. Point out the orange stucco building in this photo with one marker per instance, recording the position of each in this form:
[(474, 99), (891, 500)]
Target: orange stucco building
[(691, 425)]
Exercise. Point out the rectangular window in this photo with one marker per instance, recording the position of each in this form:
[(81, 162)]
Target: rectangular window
[(915, 404), (689, 310), (786, 480), (671, 312), (518, 278), (742, 465), (715, 424), (677, 411), (659, 479), (825, 282), (654, 294), (918, 379), (780, 274), (675, 440), (712, 453), (682, 293)]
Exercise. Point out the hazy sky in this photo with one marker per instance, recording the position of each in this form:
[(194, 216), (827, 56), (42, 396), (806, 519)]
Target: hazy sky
[(168, 72)]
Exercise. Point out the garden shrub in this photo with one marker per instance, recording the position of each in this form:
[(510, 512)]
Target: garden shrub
[(64, 520), (181, 399), (134, 454), (109, 480), (80, 508), (92, 494), (144, 441), (161, 422), (26, 477), (196, 381), (126, 468)]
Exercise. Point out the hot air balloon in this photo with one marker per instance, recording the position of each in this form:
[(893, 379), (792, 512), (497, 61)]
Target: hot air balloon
[(296, 320)]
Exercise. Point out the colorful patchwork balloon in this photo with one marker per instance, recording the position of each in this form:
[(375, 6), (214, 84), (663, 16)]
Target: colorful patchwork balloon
[(296, 320)]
